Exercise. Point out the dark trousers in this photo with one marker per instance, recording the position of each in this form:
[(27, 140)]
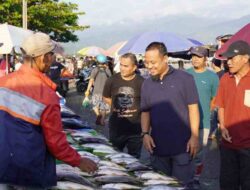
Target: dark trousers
[(180, 166), (235, 169), (132, 142)]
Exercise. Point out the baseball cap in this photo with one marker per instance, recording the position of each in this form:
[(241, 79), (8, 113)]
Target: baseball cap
[(224, 37), (199, 51), (37, 44), (237, 48)]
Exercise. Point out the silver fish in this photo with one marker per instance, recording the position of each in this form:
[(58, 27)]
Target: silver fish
[(125, 161), (119, 155), (66, 174), (66, 185), (116, 179), (104, 151), (64, 168), (85, 153), (97, 146), (159, 187), (111, 172), (108, 163), (137, 166), (119, 186), (160, 182), (152, 175), (119, 168)]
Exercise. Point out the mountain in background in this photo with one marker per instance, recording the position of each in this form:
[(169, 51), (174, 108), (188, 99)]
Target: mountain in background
[(189, 26)]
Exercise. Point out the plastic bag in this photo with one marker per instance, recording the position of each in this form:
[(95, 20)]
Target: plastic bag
[(86, 102)]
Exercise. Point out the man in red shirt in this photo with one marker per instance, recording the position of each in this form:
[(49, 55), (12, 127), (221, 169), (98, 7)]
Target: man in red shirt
[(233, 100), (31, 134)]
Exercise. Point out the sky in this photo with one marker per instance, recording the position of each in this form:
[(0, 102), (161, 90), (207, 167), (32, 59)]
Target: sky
[(112, 21), (108, 12)]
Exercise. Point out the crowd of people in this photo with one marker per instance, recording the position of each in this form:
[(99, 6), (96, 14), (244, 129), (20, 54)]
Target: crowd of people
[(182, 109), (172, 112)]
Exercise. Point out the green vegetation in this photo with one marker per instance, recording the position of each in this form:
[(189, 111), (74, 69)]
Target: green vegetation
[(58, 19)]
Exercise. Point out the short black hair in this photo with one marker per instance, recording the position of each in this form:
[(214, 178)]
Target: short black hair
[(159, 46), (131, 56), (217, 62)]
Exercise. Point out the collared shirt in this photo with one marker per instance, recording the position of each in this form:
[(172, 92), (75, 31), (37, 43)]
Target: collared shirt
[(167, 101), (235, 99)]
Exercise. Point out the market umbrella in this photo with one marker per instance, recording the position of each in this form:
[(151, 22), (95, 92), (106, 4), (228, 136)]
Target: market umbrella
[(242, 34), (174, 42), (92, 51), (195, 42), (113, 50), (11, 37)]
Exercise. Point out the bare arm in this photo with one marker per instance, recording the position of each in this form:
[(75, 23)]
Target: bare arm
[(145, 121), (91, 82), (107, 100), (212, 104), (148, 141), (194, 119), (221, 117)]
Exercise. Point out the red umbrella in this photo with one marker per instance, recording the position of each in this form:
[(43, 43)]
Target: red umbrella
[(242, 34)]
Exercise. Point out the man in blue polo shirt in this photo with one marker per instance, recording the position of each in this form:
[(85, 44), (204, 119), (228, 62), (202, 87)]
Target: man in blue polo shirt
[(170, 115)]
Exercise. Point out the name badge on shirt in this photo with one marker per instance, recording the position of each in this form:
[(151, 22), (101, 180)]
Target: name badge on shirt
[(247, 98)]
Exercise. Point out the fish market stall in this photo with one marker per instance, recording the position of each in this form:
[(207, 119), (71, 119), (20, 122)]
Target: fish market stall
[(116, 170)]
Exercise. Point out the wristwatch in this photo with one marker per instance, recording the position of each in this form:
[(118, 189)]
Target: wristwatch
[(144, 133)]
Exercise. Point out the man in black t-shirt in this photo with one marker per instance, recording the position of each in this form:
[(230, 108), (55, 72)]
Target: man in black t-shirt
[(122, 92), (54, 74)]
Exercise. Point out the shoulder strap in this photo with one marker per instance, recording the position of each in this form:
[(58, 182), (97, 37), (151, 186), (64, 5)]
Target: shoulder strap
[(99, 71)]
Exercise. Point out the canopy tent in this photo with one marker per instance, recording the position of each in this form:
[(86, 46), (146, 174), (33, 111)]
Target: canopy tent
[(174, 42), (92, 51), (242, 34)]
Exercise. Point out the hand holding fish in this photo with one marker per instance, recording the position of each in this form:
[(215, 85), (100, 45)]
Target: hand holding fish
[(87, 165), (148, 143)]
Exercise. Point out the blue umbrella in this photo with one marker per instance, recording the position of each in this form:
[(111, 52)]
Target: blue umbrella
[(174, 42), (195, 42)]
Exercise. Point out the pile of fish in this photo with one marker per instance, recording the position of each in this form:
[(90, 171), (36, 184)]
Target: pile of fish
[(71, 120), (116, 170)]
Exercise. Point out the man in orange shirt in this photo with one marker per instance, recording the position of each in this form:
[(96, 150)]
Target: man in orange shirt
[(233, 100), (31, 135)]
